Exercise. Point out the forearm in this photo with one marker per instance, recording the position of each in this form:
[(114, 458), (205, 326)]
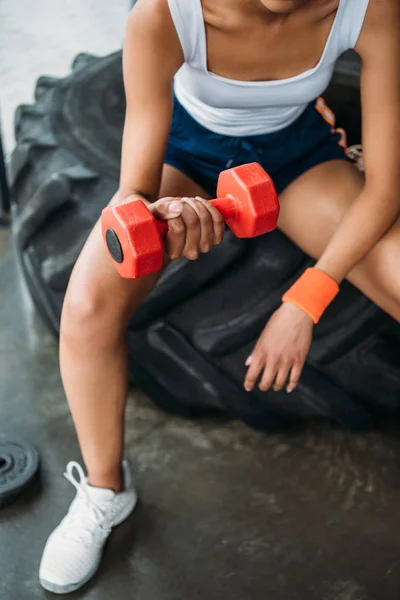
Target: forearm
[(362, 226)]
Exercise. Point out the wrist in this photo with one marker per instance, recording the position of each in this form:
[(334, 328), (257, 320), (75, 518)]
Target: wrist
[(298, 313), (333, 271), (313, 292), (124, 197)]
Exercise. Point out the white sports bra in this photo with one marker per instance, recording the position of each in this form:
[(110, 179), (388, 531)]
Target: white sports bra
[(246, 108)]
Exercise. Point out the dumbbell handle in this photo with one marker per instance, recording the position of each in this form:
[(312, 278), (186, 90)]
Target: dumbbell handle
[(226, 206)]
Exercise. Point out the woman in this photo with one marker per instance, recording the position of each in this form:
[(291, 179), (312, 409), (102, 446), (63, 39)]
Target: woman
[(247, 74)]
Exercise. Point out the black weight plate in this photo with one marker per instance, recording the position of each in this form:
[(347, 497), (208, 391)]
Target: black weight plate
[(19, 462)]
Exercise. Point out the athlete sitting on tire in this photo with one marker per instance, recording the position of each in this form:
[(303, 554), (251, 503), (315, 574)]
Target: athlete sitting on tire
[(247, 79)]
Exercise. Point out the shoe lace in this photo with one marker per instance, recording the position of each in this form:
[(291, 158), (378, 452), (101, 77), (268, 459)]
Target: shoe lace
[(84, 516)]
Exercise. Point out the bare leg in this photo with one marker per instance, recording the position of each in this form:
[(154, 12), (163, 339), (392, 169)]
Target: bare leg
[(93, 355)]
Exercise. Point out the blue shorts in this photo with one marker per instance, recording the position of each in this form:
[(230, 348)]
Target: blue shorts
[(285, 154)]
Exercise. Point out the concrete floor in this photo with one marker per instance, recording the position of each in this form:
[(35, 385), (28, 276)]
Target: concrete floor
[(225, 512), (42, 37)]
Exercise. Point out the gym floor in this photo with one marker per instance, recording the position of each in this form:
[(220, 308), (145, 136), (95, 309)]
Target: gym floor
[(225, 512)]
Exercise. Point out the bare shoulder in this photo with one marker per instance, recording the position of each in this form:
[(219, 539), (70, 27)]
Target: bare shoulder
[(151, 36), (381, 13), (382, 22), (154, 15)]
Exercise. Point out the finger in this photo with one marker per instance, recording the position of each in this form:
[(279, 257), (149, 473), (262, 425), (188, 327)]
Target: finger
[(176, 238), (218, 221), (166, 208), (257, 363), (191, 221), (270, 372), (295, 374), (282, 376), (206, 223)]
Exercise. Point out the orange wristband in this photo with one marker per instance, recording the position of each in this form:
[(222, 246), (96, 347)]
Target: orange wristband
[(312, 292)]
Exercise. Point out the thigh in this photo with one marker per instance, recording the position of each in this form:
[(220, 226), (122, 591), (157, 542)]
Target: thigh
[(314, 204), (176, 183), (311, 210), (94, 277)]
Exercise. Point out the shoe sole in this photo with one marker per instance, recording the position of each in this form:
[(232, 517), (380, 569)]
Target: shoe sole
[(72, 587), (68, 589)]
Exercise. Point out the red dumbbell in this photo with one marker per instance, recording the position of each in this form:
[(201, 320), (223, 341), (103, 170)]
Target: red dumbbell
[(247, 200)]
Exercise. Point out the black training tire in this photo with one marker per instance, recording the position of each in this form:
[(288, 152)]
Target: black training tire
[(189, 340)]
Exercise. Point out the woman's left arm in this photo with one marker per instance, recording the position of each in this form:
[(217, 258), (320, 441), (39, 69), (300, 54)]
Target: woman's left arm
[(378, 205), (282, 348)]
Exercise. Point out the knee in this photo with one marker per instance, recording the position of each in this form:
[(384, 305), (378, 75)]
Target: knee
[(81, 311), (376, 276), (87, 315)]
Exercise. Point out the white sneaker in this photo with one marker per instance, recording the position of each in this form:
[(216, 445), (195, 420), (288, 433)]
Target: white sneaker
[(73, 551)]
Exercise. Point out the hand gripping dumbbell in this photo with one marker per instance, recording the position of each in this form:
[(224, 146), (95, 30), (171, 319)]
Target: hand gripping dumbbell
[(247, 200)]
